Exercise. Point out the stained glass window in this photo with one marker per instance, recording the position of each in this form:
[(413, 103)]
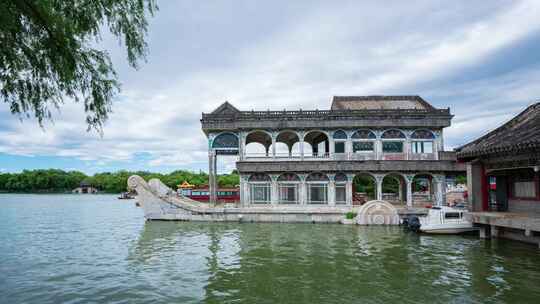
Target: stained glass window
[(422, 134), (393, 134), (259, 177), (317, 177), (364, 134), (225, 140), (392, 146), (288, 177), (340, 135), (363, 146), (340, 177)]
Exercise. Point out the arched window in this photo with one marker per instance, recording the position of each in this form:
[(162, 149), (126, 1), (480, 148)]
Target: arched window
[(225, 141), (364, 134), (363, 141), (259, 188), (341, 188), (259, 177), (288, 188), (288, 177), (340, 138), (317, 177), (340, 178), (422, 142), (393, 134), (393, 141), (422, 134), (339, 134), (317, 188)]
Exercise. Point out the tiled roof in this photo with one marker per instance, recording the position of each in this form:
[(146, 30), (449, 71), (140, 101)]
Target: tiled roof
[(522, 133), (409, 102)]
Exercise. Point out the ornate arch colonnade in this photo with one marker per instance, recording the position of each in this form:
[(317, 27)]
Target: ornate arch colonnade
[(332, 189), (363, 143)]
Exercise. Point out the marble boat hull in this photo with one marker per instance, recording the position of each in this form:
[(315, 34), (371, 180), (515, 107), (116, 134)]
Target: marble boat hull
[(162, 203)]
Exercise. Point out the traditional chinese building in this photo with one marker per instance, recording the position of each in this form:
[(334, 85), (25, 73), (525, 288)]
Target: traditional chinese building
[(364, 147), (503, 177), (85, 188)]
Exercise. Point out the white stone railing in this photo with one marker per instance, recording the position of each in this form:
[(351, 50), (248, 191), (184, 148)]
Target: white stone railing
[(422, 156), (338, 156), (394, 156)]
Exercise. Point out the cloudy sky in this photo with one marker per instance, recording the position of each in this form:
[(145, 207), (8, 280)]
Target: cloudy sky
[(479, 59)]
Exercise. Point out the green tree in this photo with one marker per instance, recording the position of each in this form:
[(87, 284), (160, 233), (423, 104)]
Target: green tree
[(48, 51), (461, 179)]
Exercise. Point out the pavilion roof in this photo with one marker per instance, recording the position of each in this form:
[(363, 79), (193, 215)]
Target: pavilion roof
[(520, 134), (380, 102), (346, 112)]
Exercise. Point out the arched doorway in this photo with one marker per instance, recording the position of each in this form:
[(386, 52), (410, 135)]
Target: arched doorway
[(422, 190), (394, 188), (364, 188)]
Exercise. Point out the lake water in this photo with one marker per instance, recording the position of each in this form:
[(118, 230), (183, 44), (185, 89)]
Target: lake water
[(95, 248)]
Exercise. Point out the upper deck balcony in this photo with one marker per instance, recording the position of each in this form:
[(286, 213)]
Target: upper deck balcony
[(362, 145), (349, 156), (355, 128)]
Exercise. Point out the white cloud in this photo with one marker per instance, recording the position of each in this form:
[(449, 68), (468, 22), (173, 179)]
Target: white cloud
[(316, 52)]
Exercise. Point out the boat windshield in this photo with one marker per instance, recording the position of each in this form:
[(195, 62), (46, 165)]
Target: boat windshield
[(452, 215)]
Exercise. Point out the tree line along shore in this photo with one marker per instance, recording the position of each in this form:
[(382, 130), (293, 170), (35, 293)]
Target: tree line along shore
[(60, 181)]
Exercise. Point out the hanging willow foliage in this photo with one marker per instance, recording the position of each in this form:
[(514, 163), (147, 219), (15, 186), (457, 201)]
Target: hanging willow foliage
[(48, 53)]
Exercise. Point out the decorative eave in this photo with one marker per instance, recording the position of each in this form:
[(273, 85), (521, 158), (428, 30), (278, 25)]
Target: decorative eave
[(520, 135), (532, 147)]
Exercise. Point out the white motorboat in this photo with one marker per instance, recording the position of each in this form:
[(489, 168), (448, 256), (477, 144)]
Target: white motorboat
[(446, 220)]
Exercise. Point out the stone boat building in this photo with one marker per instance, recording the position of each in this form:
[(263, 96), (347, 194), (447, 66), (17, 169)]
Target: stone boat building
[(503, 175), (308, 158)]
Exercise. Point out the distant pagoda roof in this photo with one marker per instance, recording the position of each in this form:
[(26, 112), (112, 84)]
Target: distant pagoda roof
[(519, 135), (380, 102), (185, 185)]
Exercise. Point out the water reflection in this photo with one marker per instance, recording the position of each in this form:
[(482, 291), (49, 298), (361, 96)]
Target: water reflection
[(75, 249), (294, 263)]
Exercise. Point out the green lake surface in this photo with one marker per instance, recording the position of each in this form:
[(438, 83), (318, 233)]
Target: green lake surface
[(97, 249)]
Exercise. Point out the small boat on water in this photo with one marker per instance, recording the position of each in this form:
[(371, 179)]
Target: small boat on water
[(443, 220), (126, 195)]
